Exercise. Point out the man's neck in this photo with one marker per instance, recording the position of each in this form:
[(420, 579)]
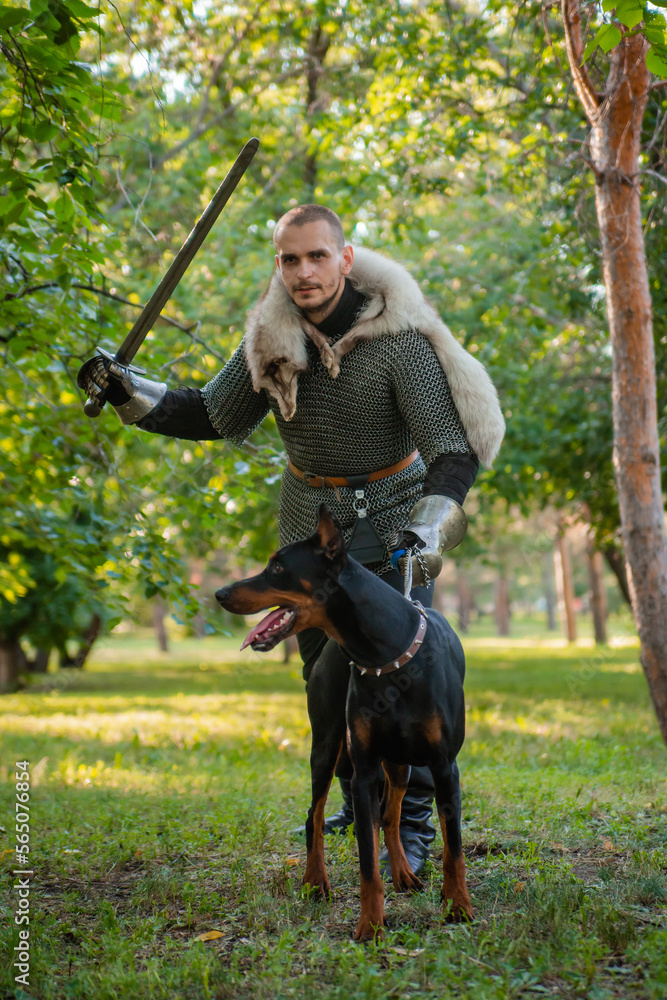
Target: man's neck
[(318, 315)]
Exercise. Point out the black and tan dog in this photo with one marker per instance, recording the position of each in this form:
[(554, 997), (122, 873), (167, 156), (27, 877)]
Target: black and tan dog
[(391, 678)]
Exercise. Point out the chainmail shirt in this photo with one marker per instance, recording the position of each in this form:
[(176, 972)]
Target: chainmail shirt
[(390, 397)]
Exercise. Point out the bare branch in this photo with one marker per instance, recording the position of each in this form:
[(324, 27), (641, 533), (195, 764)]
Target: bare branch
[(654, 173), (201, 130), (582, 82), (33, 289), (219, 64)]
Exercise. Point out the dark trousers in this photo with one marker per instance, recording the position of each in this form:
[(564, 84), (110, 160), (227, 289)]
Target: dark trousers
[(313, 640)]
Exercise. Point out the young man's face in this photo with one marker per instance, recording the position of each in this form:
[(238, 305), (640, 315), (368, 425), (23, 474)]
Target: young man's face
[(312, 266)]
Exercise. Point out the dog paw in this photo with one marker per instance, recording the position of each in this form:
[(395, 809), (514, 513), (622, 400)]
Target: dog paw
[(458, 911), (368, 931), (406, 881), (319, 887)]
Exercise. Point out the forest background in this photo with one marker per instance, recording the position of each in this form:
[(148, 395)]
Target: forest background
[(446, 134)]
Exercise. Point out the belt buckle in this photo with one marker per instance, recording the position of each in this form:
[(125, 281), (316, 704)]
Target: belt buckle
[(311, 475)]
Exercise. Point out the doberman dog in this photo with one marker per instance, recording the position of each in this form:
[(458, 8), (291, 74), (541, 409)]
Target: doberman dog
[(391, 680)]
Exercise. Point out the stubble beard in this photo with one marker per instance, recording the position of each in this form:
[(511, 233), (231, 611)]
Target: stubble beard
[(321, 309)]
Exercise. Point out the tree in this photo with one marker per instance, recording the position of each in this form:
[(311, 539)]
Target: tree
[(616, 115)]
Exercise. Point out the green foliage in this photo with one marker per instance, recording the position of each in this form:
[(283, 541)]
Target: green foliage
[(639, 18), (448, 140)]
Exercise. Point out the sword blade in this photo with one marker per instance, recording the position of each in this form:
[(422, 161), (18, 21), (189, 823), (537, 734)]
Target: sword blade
[(183, 258)]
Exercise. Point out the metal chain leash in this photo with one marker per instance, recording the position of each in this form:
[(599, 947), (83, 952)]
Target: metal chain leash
[(426, 576)]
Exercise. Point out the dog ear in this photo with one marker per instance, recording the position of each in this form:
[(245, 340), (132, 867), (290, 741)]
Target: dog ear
[(330, 534)]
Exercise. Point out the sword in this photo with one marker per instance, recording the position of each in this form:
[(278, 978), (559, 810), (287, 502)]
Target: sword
[(151, 311)]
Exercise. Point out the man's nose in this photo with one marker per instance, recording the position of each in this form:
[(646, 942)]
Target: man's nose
[(305, 268)]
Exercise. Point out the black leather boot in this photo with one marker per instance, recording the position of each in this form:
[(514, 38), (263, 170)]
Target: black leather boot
[(416, 828), (341, 821)]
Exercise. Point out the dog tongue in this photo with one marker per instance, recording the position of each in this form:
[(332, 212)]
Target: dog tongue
[(263, 626)]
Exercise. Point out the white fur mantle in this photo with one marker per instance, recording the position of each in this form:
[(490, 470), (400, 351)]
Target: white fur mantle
[(275, 345)]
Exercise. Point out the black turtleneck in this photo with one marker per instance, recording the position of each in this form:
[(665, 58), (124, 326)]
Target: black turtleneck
[(343, 318)]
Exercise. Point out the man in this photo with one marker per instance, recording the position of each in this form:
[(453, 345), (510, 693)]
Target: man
[(388, 426)]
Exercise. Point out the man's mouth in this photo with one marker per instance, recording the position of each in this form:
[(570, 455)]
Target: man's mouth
[(274, 627)]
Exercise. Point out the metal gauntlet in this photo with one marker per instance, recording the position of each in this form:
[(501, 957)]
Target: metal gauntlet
[(132, 396), (437, 524)]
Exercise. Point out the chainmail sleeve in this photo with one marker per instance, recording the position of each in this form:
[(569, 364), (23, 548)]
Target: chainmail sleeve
[(233, 406), (424, 398)]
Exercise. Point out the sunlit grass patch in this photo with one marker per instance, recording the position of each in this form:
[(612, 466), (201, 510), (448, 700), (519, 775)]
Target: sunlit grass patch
[(165, 797)]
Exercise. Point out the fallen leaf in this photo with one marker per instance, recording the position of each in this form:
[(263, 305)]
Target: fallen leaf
[(291, 862), (407, 952), (520, 886), (608, 846), (209, 936)]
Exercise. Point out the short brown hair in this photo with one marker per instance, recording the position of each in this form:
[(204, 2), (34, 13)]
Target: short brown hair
[(300, 215)]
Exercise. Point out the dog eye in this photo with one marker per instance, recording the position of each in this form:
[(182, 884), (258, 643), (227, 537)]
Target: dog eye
[(276, 568)]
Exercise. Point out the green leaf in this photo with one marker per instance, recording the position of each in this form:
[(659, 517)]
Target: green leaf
[(655, 35), (82, 10), (630, 12), (656, 64), (610, 37), (10, 16), (46, 130), (607, 36)]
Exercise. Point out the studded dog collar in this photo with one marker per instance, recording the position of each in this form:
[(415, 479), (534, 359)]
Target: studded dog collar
[(412, 649)]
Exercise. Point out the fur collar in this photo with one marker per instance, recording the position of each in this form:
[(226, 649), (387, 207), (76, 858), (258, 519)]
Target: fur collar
[(277, 332)]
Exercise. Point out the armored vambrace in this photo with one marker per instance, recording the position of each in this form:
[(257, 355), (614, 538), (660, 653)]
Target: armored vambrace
[(143, 394), (437, 524)]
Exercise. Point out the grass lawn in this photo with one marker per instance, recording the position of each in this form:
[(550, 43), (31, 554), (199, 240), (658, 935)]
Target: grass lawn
[(165, 789)]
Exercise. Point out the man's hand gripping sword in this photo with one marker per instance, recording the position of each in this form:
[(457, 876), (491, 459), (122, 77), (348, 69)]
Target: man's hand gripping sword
[(93, 376)]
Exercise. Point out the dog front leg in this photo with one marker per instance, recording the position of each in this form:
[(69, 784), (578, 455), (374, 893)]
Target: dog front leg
[(367, 829), (323, 760), (448, 801)]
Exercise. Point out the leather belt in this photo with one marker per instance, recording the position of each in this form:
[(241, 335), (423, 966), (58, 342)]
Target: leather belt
[(334, 481)]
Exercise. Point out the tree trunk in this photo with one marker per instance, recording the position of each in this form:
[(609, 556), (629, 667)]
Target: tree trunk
[(616, 564), (41, 662), (318, 47), (549, 591), (290, 647), (10, 665), (564, 587), (502, 605), (88, 640), (598, 595), (616, 123), (158, 625), (464, 598)]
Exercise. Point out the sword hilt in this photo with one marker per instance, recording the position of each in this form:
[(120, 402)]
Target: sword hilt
[(91, 386)]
